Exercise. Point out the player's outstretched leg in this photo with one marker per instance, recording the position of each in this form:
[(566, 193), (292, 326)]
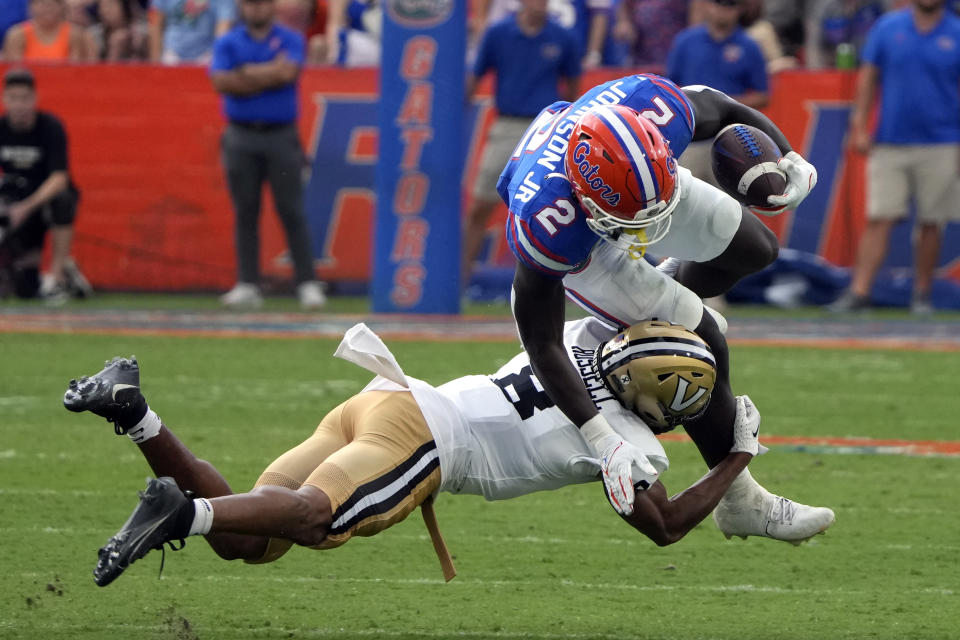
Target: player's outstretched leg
[(114, 393), (152, 523), (166, 514)]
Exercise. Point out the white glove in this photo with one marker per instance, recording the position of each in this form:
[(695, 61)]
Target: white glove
[(621, 462), (801, 179), (746, 428)]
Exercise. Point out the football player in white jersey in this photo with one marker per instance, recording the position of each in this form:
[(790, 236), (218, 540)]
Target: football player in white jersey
[(394, 446)]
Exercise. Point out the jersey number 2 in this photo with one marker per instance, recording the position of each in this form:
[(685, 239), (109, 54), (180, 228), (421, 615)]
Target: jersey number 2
[(562, 214), (660, 118)]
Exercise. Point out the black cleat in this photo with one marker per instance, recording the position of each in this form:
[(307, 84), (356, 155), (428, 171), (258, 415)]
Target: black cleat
[(113, 393), (148, 527)]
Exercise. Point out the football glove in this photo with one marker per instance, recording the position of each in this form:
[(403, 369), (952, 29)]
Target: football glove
[(746, 428), (801, 179), (622, 463)]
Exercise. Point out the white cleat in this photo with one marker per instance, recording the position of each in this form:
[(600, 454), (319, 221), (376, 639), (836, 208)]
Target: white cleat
[(771, 516)]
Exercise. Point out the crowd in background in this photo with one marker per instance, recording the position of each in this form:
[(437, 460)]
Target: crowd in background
[(612, 33)]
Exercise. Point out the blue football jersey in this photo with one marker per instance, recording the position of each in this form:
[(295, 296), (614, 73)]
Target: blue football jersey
[(546, 227)]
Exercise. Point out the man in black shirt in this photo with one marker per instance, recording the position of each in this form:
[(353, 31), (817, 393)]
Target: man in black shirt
[(36, 194)]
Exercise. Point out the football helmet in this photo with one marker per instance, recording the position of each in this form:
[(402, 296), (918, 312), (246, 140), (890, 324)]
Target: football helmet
[(624, 175), (660, 371)]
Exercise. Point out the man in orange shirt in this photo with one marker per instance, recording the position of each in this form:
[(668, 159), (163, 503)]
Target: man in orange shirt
[(46, 36)]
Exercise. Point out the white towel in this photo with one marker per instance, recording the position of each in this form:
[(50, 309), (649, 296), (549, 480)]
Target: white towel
[(361, 346)]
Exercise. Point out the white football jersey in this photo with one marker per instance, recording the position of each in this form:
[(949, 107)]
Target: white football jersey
[(521, 442), (501, 436)]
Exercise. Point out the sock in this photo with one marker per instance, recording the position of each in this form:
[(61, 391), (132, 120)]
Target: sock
[(194, 518), (147, 427), (202, 517), (133, 411)]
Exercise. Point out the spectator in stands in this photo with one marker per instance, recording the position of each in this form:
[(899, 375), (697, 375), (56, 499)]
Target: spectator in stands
[(761, 31), (651, 25), (11, 12), (531, 55), (38, 194), (913, 55), (719, 54), (183, 31), (309, 17), (256, 67), (832, 23), (119, 34), (353, 32), (46, 36), (787, 17), (590, 20)]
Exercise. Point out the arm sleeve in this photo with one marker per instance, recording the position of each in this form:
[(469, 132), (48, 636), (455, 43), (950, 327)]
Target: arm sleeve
[(673, 61), (872, 49), (758, 69), (571, 65), (484, 61), (56, 147), (526, 250), (296, 48), (222, 60)]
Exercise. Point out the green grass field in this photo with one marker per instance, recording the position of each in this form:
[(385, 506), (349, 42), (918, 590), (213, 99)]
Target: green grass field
[(550, 565)]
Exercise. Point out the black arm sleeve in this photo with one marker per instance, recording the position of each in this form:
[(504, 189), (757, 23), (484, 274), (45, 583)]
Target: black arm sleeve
[(713, 110)]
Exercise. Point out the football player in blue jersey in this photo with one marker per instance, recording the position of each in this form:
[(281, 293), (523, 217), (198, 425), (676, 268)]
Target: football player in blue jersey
[(590, 187)]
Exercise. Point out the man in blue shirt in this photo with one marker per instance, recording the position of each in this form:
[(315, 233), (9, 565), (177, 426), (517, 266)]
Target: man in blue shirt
[(913, 55), (719, 54), (255, 67), (531, 55)]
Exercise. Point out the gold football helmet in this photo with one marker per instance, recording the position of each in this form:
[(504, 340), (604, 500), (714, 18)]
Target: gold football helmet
[(660, 371)]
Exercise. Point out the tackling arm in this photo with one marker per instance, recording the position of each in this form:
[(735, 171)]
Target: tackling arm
[(538, 308), (666, 520)]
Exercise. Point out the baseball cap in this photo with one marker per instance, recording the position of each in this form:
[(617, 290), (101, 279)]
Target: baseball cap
[(19, 76)]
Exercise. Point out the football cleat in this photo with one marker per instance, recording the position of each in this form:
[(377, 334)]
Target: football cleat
[(148, 527), (109, 393), (762, 513)]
